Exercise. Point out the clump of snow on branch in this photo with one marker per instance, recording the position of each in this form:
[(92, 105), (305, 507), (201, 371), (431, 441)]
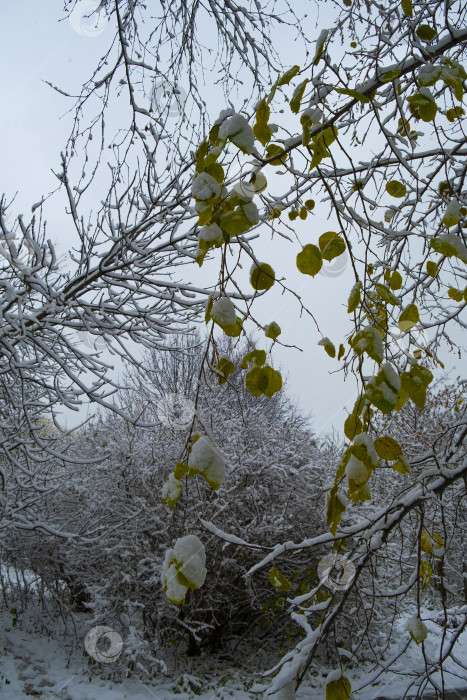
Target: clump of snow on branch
[(171, 491), (206, 460), (205, 187), (417, 629), (223, 312), (237, 129), (183, 568)]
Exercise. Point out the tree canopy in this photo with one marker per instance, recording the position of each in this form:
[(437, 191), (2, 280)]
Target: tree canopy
[(369, 132)]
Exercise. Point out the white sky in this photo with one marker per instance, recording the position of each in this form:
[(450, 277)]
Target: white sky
[(35, 46)]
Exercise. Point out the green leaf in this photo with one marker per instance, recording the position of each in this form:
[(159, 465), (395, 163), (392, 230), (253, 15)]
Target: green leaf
[(387, 448), (341, 467), (402, 466), (216, 171), (328, 346), (455, 113), (407, 8), (226, 367), (415, 390), (261, 129), (325, 238), (262, 276), (263, 380), (432, 268), (455, 294), (408, 318), (396, 189), (424, 104), (422, 374), (331, 245), (358, 493), (452, 214), (401, 400), (390, 75), (263, 112), (430, 543), (272, 150), (425, 574), (207, 315), (342, 349), (320, 46), (414, 384), (355, 297), (335, 508), (278, 580), (426, 544), (355, 94), (429, 74), (214, 136), (395, 281), (321, 142), (369, 340), (297, 96), (445, 188), (359, 405), (274, 382), (450, 245), (180, 470), (235, 222), (309, 260), (380, 393), (272, 330), (352, 426), (339, 689), (425, 32), (453, 74), (204, 210), (288, 75), (386, 295), (262, 133), (234, 330), (200, 156), (255, 357)]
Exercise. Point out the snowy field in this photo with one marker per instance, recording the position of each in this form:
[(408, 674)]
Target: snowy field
[(39, 660)]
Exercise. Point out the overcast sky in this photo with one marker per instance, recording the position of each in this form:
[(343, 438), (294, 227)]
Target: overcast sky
[(36, 46)]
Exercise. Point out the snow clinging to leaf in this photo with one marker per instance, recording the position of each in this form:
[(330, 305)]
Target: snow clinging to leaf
[(223, 312), (206, 460), (237, 129), (205, 187)]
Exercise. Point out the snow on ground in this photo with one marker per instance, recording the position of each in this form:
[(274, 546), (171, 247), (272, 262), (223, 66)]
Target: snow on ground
[(35, 665), (395, 684), (55, 667), (40, 658)]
